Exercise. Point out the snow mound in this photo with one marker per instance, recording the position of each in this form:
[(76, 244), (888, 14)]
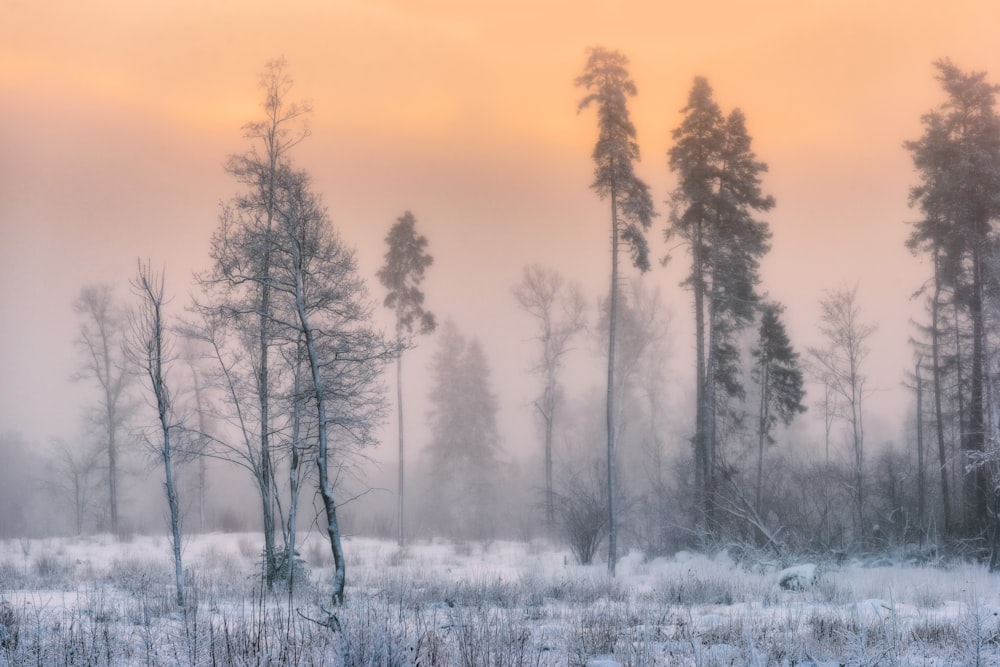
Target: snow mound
[(603, 662), (798, 577)]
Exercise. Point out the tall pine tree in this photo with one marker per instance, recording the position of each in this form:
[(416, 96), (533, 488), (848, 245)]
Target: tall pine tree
[(958, 159), (609, 86), (713, 211), (406, 260)]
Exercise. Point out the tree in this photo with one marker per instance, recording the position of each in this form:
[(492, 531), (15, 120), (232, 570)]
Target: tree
[(921, 465), (581, 511), (609, 86), (779, 377), (149, 348), (958, 159), (24, 508), (931, 341), (198, 444), (100, 344), (559, 311), (841, 363), (238, 287), (406, 260), (323, 306), (713, 211), (464, 451), (73, 469)]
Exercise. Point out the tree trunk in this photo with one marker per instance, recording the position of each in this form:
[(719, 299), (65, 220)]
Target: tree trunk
[(960, 485), (701, 375), (857, 433), (202, 428), (977, 495), (264, 483), (921, 482), (400, 506), (112, 417), (151, 345), (762, 432), (938, 411), (175, 512), (293, 472), (325, 489), (550, 506), (613, 321), (711, 398)]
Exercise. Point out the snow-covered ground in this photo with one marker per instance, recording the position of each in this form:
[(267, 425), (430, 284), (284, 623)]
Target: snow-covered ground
[(101, 601)]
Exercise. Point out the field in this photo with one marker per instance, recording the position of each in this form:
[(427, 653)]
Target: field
[(103, 601)]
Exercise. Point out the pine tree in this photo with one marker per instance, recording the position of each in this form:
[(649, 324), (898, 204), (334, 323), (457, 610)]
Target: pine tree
[(713, 211), (406, 260), (609, 86), (958, 158)]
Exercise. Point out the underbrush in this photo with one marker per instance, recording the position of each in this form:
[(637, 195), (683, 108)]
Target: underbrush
[(98, 601)]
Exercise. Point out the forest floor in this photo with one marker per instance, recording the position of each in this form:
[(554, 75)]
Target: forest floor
[(106, 601)]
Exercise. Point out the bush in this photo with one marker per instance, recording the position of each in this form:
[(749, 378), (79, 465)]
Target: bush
[(9, 627), (582, 514)]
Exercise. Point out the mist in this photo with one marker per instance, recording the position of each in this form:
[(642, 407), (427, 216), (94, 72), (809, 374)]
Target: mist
[(115, 135)]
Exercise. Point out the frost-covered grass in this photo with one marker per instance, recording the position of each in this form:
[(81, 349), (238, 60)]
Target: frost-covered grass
[(100, 601)]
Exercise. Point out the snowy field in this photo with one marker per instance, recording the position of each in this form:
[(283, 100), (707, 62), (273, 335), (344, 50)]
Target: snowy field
[(100, 601)]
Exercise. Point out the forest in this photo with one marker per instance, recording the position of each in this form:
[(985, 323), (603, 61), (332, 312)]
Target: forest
[(276, 374), (628, 450)]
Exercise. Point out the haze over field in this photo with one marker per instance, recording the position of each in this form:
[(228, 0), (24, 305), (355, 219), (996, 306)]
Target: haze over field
[(116, 118)]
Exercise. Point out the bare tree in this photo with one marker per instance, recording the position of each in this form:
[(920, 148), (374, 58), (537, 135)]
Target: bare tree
[(148, 346), (73, 470), (238, 289), (100, 345), (324, 305), (199, 442), (840, 362), (580, 508), (559, 310)]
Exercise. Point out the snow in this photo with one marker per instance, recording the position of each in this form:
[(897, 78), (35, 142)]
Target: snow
[(501, 602), (798, 577)]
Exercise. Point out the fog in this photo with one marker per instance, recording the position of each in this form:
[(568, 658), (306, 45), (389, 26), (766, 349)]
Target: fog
[(116, 119)]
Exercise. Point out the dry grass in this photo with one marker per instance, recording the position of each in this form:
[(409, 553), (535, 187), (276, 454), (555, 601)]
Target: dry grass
[(97, 601)]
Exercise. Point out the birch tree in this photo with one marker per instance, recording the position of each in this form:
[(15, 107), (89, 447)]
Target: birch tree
[(150, 349), (559, 311), (238, 305), (841, 362), (73, 471), (324, 305), (100, 341)]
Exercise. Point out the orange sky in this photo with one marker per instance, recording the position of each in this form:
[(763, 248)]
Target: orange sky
[(115, 118)]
